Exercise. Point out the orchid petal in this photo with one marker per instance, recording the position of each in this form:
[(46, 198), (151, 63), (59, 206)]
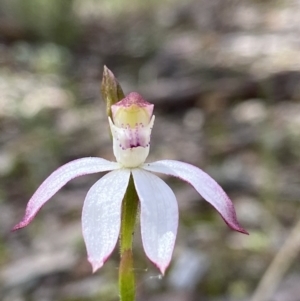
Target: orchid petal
[(206, 186), (159, 217), (58, 179), (101, 215)]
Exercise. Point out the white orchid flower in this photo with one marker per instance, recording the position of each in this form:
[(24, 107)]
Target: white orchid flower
[(101, 215)]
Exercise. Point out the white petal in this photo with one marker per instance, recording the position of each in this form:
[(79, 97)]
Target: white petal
[(101, 216), (206, 186), (159, 217), (58, 179)]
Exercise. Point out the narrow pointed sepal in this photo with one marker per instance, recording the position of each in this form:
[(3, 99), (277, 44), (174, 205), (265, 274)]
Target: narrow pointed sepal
[(159, 217), (110, 89), (205, 185), (101, 216), (58, 179)]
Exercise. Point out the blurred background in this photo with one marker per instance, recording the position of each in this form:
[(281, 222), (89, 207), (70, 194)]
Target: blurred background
[(225, 80)]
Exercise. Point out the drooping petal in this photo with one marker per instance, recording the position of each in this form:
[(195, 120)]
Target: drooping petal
[(58, 179), (159, 217), (101, 216), (206, 186)]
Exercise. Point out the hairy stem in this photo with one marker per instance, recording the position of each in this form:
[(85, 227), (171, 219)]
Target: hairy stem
[(126, 273)]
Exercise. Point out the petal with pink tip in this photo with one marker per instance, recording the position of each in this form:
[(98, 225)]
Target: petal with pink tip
[(101, 216), (58, 179), (206, 186), (159, 217)]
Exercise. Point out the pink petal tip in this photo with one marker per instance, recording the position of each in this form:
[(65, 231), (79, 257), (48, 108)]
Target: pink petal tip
[(239, 229), (23, 223), (162, 267), (96, 265), (162, 270)]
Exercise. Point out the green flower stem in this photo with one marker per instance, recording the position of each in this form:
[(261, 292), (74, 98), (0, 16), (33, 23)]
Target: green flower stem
[(126, 274)]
